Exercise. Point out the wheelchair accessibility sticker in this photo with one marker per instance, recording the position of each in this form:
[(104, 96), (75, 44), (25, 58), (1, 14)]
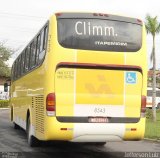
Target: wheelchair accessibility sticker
[(131, 77)]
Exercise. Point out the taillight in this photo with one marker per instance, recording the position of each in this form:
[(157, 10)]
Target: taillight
[(143, 105), (58, 14), (95, 14), (100, 14), (50, 104), (139, 21)]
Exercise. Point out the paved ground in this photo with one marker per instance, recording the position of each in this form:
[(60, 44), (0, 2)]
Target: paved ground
[(12, 141)]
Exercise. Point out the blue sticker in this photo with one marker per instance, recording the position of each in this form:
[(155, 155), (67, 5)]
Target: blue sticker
[(131, 77)]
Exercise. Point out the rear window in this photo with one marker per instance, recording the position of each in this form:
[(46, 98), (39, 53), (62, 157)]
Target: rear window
[(99, 34)]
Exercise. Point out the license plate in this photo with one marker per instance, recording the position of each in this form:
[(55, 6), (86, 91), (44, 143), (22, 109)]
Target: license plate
[(98, 119)]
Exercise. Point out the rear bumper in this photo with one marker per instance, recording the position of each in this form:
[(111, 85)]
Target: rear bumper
[(93, 132), (96, 138)]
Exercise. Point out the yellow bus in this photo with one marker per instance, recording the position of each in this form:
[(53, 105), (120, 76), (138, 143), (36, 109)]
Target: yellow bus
[(83, 78)]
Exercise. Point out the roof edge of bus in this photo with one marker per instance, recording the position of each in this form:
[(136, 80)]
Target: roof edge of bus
[(102, 15)]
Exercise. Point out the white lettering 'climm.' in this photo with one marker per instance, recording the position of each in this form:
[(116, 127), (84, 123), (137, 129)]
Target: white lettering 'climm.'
[(85, 28)]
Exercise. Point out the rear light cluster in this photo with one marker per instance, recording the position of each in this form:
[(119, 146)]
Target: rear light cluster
[(143, 106), (58, 14), (51, 104), (139, 21), (94, 14), (100, 14)]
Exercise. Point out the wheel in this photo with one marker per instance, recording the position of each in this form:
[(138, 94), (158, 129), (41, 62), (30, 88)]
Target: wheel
[(11, 113), (97, 143), (100, 143), (32, 141), (16, 126)]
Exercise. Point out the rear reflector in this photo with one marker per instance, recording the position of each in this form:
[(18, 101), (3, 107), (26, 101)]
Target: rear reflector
[(95, 14), (100, 14), (64, 129), (139, 21), (50, 104), (143, 105), (133, 129)]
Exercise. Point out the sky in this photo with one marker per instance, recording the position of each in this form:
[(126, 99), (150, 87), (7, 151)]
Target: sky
[(20, 20)]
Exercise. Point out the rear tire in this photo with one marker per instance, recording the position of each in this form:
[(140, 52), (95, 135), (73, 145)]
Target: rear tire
[(11, 114), (100, 143), (16, 126), (96, 143), (32, 141)]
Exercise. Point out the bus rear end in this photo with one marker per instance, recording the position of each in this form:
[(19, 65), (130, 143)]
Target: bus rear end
[(100, 78)]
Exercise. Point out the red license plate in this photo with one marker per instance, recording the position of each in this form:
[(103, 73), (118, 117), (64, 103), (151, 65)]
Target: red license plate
[(98, 119)]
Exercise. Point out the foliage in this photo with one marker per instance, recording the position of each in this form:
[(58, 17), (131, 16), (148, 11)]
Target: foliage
[(148, 114), (153, 28), (152, 25), (4, 103), (152, 128), (5, 54)]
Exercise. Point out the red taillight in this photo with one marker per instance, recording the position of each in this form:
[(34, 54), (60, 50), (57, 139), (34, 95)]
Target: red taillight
[(143, 105), (133, 129), (50, 104), (106, 15), (64, 129), (58, 14), (100, 14), (95, 14), (139, 21)]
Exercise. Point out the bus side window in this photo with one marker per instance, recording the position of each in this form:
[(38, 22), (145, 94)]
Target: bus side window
[(44, 35), (13, 72), (29, 55), (38, 48), (33, 54), (22, 62), (27, 51), (19, 67), (40, 57)]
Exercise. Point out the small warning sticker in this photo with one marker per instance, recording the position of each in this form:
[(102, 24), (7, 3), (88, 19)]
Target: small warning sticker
[(131, 77)]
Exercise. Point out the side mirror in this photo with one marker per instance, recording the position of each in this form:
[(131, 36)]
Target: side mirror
[(6, 87)]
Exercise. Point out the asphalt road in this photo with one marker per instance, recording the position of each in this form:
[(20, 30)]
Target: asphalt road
[(13, 143)]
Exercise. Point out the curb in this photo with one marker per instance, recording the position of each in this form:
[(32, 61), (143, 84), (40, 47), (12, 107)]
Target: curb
[(153, 140)]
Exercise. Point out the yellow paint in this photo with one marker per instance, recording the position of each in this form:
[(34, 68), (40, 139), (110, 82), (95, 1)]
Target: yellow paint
[(64, 81), (133, 97), (135, 135), (99, 87)]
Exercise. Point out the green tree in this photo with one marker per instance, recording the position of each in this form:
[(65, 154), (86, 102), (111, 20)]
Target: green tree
[(5, 54), (153, 28)]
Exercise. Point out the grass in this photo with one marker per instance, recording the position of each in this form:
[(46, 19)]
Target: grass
[(152, 130), (4, 103)]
